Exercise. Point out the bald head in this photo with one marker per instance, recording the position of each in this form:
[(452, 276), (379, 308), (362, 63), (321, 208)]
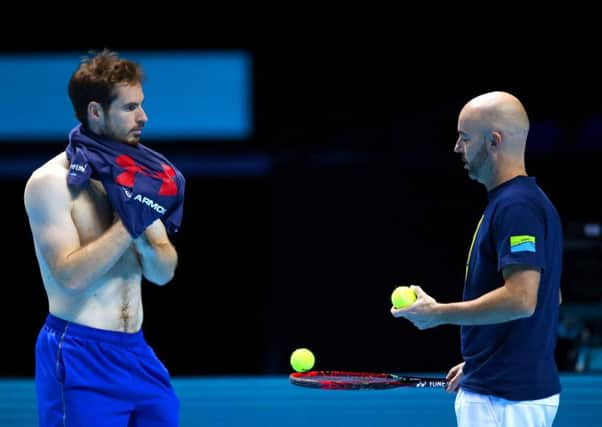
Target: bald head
[(501, 112), (492, 133)]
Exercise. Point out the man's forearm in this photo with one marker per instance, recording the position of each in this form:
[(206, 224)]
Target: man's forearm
[(81, 268), (158, 260), (496, 306)]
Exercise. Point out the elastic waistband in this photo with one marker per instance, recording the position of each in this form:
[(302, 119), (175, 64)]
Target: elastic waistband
[(77, 330)]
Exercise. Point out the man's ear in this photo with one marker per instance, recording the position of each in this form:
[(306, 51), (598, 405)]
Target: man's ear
[(95, 110), (96, 116), (496, 138)]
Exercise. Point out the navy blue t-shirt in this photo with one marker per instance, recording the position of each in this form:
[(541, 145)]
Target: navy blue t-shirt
[(514, 360)]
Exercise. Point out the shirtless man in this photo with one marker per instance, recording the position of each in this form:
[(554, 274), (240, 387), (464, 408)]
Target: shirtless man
[(93, 366)]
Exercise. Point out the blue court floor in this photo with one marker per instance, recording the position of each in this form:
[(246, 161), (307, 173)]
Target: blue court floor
[(272, 401)]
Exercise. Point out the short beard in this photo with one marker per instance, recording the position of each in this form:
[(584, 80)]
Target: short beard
[(478, 163)]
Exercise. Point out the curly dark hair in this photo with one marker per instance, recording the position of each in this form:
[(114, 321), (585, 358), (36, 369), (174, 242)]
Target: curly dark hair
[(96, 78)]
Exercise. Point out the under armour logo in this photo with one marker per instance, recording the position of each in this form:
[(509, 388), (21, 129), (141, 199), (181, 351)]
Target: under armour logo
[(128, 176)]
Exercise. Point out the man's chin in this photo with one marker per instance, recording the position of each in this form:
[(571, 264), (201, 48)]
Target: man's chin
[(133, 140)]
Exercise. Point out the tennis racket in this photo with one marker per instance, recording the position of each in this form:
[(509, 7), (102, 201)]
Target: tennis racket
[(345, 380)]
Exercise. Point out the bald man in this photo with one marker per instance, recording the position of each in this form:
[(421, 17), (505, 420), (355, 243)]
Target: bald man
[(509, 312)]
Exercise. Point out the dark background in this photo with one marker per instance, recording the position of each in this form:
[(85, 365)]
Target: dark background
[(364, 193)]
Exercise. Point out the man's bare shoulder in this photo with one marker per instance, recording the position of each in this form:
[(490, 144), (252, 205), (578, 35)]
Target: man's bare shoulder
[(48, 179), (56, 167)]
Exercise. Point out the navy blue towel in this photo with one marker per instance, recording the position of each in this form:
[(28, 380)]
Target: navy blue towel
[(141, 184)]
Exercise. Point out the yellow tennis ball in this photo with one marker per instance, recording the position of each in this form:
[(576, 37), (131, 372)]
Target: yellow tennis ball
[(403, 296), (302, 360)]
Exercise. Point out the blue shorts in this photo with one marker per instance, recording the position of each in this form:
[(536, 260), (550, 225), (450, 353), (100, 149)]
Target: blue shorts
[(92, 377)]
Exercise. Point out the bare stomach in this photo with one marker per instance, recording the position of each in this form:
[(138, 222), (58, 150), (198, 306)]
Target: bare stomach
[(115, 306), (113, 303)]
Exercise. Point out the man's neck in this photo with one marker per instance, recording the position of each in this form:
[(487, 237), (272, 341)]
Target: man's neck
[(504, 175)]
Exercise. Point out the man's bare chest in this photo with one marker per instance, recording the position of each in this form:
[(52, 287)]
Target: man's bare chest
[(91, 212)]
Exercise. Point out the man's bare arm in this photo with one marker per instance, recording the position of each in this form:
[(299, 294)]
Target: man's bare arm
[(74, 267), (516, 299), (157, 255)]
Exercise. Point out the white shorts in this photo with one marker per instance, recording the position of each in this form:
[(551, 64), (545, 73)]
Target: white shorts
[(480, 410)]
